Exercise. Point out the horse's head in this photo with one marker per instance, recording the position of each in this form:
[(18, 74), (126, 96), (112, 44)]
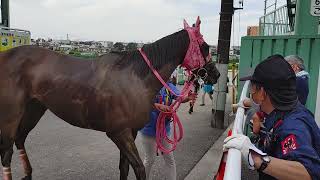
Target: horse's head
[(198, 51), (198, 58)]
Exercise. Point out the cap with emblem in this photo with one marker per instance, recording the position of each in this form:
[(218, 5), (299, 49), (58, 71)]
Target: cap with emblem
[(278, 79)]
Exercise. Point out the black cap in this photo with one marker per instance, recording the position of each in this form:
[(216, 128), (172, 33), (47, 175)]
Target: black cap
[(278, 79)]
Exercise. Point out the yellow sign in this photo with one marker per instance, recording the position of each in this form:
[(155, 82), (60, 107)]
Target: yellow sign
[(11, 38)]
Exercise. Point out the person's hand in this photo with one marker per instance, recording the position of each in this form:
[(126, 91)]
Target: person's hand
[(162, 107), (256, 123), (256, 158), (245, 103), (244, 145)]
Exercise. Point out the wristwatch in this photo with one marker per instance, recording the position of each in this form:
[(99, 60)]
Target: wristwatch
[(265, 162)]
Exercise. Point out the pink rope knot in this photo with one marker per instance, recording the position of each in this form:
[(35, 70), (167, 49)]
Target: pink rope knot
[(161, 132)]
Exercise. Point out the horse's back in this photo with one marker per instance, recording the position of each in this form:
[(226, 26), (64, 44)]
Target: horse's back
[(85, 93), (28, 72)]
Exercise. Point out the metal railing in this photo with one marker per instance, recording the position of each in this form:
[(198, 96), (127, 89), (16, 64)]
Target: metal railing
[(233, 165), (275, 22), (15, 31)]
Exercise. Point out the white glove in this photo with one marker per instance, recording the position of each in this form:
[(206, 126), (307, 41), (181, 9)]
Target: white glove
[(244, 145)]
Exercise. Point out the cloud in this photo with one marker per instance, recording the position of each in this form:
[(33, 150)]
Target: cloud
[(120, 20)]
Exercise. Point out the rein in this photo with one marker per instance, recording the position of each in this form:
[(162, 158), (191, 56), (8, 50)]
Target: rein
[(161, 134), (192, 61), (155, 72)]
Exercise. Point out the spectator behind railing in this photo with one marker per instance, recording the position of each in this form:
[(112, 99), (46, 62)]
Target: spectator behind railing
[(302, 79), (290, 140)]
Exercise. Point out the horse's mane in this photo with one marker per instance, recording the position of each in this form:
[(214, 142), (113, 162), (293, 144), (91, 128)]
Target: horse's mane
[(159, 53)]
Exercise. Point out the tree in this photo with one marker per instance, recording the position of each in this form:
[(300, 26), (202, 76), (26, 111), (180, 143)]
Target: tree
[(132, 46), (118, 46)]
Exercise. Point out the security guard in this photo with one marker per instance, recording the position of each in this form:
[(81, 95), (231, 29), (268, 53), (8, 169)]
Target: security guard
[(291, 138)]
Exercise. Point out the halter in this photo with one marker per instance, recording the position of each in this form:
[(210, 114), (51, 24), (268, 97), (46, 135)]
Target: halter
[(205, 74)]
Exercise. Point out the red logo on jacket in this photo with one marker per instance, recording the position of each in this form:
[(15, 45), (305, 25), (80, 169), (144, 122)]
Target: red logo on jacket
[(289, 144)]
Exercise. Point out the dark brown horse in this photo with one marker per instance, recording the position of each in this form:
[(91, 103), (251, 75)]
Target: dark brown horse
[(112, 94)]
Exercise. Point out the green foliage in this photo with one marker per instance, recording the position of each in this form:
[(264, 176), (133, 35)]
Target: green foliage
[(132, 46), (82, 55), (235, 65), (233, 59), (118, 46)]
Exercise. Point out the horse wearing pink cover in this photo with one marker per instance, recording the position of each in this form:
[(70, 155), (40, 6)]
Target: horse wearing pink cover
[(102, 94), (194, 59)]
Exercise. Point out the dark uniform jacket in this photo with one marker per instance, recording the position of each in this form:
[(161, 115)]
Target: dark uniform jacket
[(292, 136)]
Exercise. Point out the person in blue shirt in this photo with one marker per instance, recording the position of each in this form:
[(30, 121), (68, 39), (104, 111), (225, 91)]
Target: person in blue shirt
[(196, 85), (289, 142), (148, 134), (302, 79), (207, 89)]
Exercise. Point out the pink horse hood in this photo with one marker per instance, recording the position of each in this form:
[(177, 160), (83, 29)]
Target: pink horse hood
[(194, 59)]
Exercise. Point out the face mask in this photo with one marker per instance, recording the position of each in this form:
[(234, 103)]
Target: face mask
[(255, 105)]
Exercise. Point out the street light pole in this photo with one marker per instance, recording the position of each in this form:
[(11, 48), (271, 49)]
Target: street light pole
[(219, 98), (5, 20)]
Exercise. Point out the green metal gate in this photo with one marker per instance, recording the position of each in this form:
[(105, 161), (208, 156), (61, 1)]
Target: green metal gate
[(256, 49)]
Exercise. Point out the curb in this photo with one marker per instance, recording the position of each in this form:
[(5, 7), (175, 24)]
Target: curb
[(208, 166)]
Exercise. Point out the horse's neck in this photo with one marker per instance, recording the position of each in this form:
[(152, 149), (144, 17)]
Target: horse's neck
[(165, 55)]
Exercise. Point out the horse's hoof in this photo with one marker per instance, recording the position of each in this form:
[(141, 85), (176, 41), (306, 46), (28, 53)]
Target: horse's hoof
[(27, 178)]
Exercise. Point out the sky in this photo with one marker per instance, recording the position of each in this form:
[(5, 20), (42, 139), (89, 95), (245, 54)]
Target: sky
[(127, 20)]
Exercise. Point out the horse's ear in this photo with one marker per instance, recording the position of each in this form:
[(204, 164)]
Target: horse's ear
[(198, 22), (185, 24)]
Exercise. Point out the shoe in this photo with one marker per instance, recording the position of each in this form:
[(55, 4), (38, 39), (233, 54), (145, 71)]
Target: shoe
[(202, 104), (190, 112)]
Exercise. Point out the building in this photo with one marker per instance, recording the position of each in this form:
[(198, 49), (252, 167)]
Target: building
[(234, 50), (107, 44), (213, 49), (253, 31)]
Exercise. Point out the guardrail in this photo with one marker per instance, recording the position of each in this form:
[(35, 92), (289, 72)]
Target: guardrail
[(233, 165), (15, 31)]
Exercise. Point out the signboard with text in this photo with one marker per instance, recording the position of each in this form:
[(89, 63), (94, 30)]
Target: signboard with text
[(315, 8)]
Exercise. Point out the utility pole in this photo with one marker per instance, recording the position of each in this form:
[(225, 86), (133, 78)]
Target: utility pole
[(219, 96), (5, 20)]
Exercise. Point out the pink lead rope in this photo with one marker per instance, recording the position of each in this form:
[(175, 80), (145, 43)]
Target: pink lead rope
[(192, 61), (161, 133), (155, 72)]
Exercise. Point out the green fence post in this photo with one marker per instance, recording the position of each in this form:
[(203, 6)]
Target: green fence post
[(305, 24)]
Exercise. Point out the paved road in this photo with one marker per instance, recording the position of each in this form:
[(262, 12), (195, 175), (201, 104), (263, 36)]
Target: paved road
[(59, 151)]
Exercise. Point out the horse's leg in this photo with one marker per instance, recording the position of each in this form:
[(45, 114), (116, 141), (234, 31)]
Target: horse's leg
[(34, 111), (124, 162), (125, 142), (7, 136)]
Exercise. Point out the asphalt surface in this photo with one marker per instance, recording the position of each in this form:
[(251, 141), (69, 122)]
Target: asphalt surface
[(59, 151)]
